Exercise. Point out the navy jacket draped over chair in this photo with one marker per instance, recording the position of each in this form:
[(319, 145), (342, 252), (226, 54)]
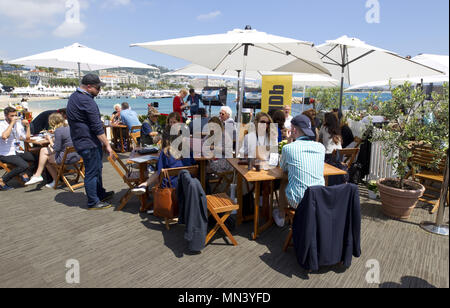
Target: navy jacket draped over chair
[(327, 226), (193, 210)]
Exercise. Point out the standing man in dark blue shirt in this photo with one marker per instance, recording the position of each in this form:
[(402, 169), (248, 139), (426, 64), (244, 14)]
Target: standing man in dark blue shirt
[(194, 101), (88, 136)]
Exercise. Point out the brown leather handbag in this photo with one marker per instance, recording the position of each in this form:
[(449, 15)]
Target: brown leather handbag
[(165, 203)]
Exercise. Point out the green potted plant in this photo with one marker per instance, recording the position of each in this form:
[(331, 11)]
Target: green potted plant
[(399, 196), (372, 189), (407, 124)]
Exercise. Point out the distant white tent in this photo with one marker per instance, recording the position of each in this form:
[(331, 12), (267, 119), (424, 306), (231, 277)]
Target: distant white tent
[(79, 57)]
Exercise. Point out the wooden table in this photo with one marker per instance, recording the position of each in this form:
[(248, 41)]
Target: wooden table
[(31, 143), (257, 177), (142, 171), (117, 127)]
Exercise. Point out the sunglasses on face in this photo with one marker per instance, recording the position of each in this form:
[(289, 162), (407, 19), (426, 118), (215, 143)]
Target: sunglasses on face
[(264, 122)]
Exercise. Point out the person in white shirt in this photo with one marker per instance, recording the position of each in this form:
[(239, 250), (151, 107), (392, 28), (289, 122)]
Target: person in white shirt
[(258, 141), (225, 116), (287, 114), (330, 134), (12, 131)]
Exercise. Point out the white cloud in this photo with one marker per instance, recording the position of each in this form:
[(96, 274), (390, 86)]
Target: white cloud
[(69, 29), (115, 3), (209, 16), (36, 16)]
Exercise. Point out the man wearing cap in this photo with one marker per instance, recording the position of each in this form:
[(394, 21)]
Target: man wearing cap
[(88, 136), (303, 161), (151, 131)]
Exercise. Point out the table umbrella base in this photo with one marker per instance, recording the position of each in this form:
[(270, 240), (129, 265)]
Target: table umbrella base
[(435, 229)]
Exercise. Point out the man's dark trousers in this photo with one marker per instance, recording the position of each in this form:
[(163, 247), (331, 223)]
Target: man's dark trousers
[(20, 161), (93, 182)]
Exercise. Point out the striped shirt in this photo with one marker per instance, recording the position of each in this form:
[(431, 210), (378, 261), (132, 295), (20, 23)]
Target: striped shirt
[(303, 160)]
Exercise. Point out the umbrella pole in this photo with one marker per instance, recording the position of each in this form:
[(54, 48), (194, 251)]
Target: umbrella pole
[(303, 99), (342, 89), (79, 71), (344, 56), (439, 227), (241, 97)]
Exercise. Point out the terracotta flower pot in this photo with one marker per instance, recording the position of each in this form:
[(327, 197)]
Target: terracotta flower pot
[(399, 203)]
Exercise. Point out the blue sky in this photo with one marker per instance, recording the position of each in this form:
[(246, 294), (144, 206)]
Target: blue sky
[(408, 27)]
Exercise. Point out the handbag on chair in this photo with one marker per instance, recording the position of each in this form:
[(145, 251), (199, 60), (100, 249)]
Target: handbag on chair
[(165, 203)]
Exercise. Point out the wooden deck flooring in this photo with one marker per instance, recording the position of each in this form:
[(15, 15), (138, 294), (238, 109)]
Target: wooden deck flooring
[(41, 229)]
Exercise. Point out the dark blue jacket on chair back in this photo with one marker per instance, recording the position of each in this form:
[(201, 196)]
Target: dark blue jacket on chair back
[(193, 210), (327, 226)]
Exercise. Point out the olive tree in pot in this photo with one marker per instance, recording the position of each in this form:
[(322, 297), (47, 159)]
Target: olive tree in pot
[(405, 125)]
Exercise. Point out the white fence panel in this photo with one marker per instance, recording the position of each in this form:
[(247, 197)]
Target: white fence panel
[(379, 166)]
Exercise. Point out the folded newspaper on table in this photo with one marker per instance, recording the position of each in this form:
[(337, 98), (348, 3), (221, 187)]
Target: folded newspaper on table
[(143, 159)]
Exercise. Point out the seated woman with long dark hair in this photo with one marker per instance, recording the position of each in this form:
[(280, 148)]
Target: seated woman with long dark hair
[(330, 135)]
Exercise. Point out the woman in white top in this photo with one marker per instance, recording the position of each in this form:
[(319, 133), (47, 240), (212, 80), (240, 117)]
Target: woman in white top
[(260, 139), (330, 134)]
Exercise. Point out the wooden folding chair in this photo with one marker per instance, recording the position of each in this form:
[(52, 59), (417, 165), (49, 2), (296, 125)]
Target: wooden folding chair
[(349, 155), (224, 177), (8, 169), (290, 213), (427, 175), (134, 136), (129, 176), (193, 170), (64, 169), (220, 204), (135, 139)]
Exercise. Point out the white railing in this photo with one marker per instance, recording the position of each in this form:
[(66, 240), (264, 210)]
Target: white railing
[(379, 165)]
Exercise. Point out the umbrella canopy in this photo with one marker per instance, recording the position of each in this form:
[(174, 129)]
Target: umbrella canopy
[(308, 80), (356, 62), (79, 57), (439, 62), (399, 81), (198, 70), (221, 52)]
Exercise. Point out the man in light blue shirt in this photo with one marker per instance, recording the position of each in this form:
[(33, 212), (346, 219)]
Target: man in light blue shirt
[(129, 117), (303, 161)]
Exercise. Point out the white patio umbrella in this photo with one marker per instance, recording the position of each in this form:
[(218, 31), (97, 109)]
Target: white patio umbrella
[(355, 62), (439, 79), (242, 50), (79, 57), (439, 62)]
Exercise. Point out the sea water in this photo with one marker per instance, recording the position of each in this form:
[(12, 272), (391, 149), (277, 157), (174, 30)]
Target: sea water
[(140, 105)]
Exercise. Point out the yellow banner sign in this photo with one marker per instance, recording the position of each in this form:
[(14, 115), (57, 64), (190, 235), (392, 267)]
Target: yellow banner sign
[(276, 92)]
